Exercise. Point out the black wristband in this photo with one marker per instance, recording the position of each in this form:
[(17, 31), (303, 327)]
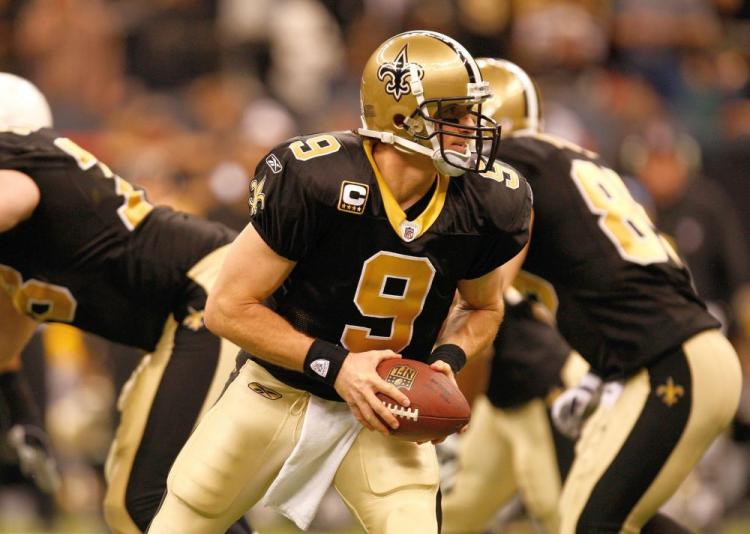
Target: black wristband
[(323, 361), (451, 354)]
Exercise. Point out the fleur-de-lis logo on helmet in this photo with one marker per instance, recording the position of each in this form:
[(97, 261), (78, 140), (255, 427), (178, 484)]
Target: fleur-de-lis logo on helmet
[(397, 74), (257, 196)]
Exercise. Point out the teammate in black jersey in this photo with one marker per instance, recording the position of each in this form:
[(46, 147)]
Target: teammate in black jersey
[(80, 245), (362, 239), (511, 445), (626, 303)]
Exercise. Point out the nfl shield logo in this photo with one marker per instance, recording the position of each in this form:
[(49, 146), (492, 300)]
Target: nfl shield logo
[(409, 231)]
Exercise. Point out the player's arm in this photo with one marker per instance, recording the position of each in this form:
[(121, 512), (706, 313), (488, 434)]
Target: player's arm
[(251, 272), (19, 196), (472, 323)]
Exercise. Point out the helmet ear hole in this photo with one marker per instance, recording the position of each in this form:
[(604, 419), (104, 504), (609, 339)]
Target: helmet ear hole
[(398, 120)]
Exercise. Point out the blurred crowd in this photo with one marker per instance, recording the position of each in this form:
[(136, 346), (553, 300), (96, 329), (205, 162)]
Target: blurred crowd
[(185, 96)]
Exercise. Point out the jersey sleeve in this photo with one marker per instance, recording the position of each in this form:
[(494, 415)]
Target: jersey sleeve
[(507, 230), (283, 205)]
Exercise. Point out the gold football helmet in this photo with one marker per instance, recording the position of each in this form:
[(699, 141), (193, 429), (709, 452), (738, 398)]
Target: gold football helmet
[(414, 86), (22, 105), (515, 103)]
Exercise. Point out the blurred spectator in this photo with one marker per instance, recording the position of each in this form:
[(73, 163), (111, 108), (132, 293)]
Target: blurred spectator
[(170, 42), (73, 51), (649, 37)]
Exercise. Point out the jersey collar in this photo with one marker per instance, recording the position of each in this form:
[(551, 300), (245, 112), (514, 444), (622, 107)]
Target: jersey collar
[(408, 230)]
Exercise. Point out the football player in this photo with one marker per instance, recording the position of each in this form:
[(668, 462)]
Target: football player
[(511, 445), (361, 238), (82, 246), (626, 303)]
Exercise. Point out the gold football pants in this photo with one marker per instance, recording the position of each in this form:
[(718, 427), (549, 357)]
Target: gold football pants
[(634, 452), (504, 451), (237, 450), (160, 404)]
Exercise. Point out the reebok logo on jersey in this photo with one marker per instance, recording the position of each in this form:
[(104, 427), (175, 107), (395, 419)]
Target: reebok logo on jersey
[(353, 197), (320, 367), (274, 164)]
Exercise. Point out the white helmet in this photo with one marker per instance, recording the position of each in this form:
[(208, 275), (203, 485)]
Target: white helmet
[(22, 105)]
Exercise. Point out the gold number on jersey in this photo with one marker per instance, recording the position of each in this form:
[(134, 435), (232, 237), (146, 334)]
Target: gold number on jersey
[(621, 218), (416, 275), (314, 147), (504, 174), (39, 300), (135, 207)]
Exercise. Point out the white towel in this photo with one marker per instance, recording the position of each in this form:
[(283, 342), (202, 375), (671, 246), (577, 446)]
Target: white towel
[(328, 431)]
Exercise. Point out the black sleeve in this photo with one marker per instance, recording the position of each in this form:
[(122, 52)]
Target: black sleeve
[(283, 206), (506, 239)]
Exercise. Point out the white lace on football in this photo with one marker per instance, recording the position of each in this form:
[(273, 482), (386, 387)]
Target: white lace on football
[(401, 411)]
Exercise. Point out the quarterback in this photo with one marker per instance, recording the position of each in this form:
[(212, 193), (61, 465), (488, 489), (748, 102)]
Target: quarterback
[(357, 244), (671, 381), (80, 245)]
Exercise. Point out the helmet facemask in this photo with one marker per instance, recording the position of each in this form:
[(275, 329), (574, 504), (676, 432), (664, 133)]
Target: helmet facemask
[(435, 120)]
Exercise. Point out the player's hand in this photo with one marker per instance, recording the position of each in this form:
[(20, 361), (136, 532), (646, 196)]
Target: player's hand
[(31, 444), (358, 383), (442, 367), (571, 409)]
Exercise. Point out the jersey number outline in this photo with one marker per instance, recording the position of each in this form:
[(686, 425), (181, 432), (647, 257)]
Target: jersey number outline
[(623, 220), (505, 174), (39, 300), (315, 147), (417, 274), (134, 208)]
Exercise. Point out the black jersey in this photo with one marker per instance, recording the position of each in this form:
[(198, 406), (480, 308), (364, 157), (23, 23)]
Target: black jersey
[(624, 295), (366, 277), (529, 356), (95, 253)]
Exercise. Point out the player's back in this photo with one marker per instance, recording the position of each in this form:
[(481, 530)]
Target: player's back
[(95, 253), (624, 295)]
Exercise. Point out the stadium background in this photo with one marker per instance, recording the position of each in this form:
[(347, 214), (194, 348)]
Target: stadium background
[(185, 96)]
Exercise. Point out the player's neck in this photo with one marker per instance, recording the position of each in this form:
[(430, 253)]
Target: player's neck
[(409, 176)]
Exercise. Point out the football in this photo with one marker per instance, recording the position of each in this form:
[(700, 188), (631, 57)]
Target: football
[(438, 408)]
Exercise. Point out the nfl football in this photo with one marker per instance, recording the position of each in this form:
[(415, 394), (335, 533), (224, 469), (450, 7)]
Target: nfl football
[(438, 408)]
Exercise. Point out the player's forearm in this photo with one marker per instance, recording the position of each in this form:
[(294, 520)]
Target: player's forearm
[(472, 329), (258, 330)]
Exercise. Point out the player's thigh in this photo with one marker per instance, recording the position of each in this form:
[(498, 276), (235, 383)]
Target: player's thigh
[(634, 453), (716, 387), (484, 478), (239, 446), (390, 485), (134, 404), (534, 459)]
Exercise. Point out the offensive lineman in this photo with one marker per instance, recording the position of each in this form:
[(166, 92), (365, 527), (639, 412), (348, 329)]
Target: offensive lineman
[(362, 239), (626, 303), (80, 245)]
